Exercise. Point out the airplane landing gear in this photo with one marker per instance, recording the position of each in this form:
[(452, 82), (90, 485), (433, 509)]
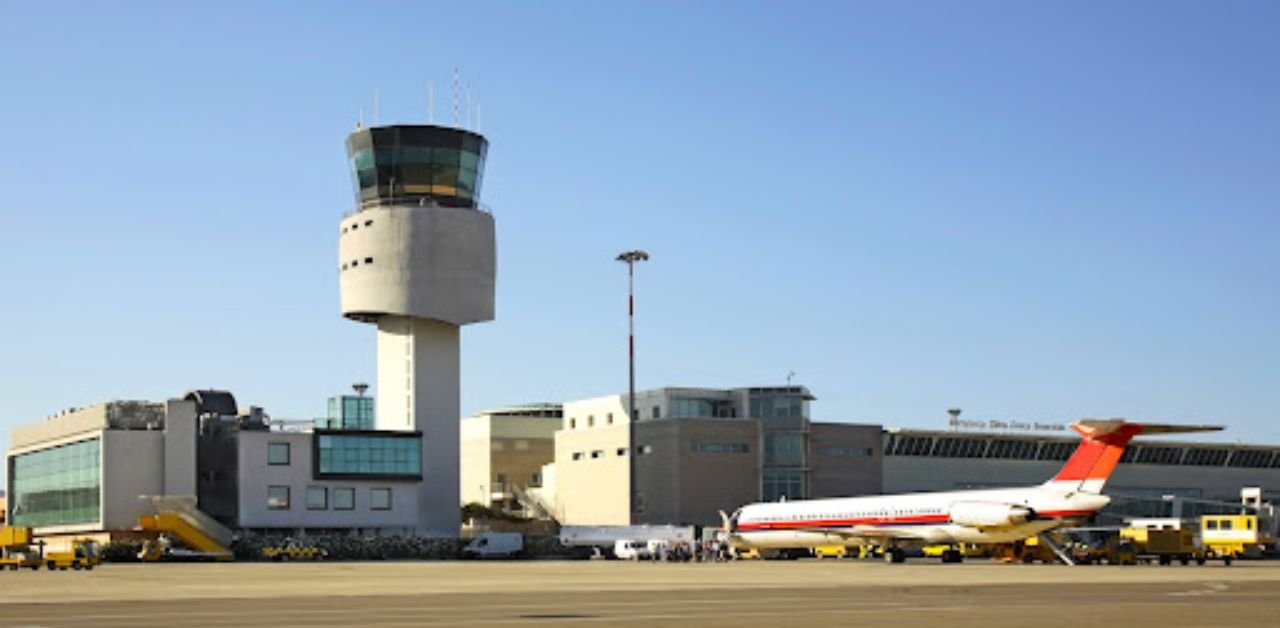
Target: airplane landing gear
[(952, 556), (894, 555)]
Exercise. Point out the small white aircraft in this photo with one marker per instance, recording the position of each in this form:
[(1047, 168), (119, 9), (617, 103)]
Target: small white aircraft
[(951, 517)]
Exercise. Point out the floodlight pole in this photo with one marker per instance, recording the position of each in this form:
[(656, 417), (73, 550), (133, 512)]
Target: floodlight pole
[(630, 258)]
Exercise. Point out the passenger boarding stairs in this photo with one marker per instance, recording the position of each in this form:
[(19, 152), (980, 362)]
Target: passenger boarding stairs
[(533, 502), (178, 517)]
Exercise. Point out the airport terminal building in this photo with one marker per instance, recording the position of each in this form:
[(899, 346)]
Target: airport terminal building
[(99, 469), (699, 451)]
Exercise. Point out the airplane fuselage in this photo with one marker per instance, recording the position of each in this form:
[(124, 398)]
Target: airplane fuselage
[(981, 516)]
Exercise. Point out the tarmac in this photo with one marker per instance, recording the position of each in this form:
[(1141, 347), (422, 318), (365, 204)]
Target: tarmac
[(555, 593)]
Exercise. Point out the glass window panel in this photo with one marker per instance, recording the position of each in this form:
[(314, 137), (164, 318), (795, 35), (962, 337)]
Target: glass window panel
[(57, 486), (380, 499), (278, 497), (415, 155), (317, 498), (344, 498), (447, 157), (278, 453)]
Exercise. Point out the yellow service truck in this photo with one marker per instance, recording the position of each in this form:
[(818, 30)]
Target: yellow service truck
[(1164, 545), (17, 549), (83, 554), (1233, 536)]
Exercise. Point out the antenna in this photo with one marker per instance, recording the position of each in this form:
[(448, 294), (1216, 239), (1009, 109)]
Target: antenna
[(360, 387), (477, 117), (360, 119), (455, 97), (375, 106), (431, 102), (469, 106)]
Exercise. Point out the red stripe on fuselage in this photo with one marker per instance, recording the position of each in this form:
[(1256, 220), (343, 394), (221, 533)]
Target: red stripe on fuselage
[(750, 526)]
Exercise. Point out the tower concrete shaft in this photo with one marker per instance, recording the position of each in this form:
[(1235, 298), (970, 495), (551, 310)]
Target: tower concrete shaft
[(417, 258)]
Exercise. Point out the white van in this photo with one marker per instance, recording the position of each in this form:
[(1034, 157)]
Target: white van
[(626, 549), (495, 545)]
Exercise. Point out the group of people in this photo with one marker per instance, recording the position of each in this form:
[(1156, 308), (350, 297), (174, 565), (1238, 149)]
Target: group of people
[(709, 551)]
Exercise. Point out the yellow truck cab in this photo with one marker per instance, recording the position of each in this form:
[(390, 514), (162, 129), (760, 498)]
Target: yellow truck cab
[(82, 555), (1233, 536)]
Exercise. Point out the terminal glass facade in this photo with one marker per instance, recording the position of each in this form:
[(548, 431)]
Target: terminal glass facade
[(58, 486), (349, 412), (784, 414), (381, 454)]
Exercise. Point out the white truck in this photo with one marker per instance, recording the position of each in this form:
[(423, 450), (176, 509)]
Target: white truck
[(495, 545), (610, 538), (627, 549)]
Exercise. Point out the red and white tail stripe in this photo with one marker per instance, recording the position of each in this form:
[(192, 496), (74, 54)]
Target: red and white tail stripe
[(1098, 454)]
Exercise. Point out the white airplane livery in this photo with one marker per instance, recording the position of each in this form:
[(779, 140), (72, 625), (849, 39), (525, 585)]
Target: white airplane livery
[(951, 517)]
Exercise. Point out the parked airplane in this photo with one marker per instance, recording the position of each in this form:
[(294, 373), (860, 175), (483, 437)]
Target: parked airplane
[(951, 517)]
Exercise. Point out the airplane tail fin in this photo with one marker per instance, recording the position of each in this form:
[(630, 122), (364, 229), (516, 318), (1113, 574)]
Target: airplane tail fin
[(1098, 454)]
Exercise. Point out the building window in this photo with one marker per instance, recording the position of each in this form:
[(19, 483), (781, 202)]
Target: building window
[(719, 448), (501, 482), (577, 455), (535, 478), (344, 498), (599, 453), (644, 450), (277, 498), (609, 419), (317, 498), (379, 499), (278, 453), (845, 452), (657, 412), (591, 420), (56, 486), (368, 260), (622, 451), (368, 223), (521, 445), (573, 423), (385, 454)]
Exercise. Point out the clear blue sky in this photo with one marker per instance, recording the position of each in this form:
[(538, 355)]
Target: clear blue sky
[(1028, 210)]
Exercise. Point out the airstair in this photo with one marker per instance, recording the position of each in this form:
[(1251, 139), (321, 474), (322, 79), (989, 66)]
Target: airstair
[(178, 517)]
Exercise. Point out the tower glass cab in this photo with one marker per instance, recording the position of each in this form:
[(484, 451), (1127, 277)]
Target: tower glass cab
[(417, 164)]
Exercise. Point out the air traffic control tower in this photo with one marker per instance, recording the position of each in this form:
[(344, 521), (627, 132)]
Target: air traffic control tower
[(417, 259)]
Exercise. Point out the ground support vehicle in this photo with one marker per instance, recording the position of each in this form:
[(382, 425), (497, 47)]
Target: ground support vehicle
[(17, 549), (204, 540), (1165, 545), (831, 551), (495, 545), (626, 549), (1234, 536), (83, 554), (294, 551)]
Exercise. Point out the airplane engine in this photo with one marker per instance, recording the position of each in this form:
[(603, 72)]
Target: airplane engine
[(989, 514)]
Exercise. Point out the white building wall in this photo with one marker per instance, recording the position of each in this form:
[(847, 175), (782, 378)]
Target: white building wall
[(132, 473), (256, 476), (475, 471), (180, 448)]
